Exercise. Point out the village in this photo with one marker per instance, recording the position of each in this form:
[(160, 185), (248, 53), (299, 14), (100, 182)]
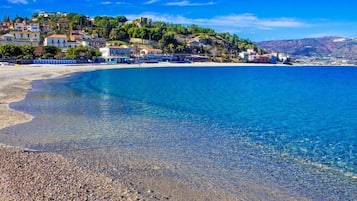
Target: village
[(30, 32)]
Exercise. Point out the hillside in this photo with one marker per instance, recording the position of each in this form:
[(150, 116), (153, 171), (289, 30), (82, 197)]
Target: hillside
[(326, 47), (170, 38)]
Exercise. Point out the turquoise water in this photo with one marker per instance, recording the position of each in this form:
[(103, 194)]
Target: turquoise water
[(293, 128)]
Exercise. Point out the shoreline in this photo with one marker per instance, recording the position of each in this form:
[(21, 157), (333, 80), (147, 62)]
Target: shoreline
[(15, 82), (27, 174), (30, 175)]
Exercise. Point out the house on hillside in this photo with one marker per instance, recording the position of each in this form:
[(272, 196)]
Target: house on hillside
[(80, 35), (46, 14), (196, 42), (21, 38), (24, 26), (45, 28), (244, 55), (115, 54), (56, 40), (142, 21), (150, 52), (5, 26), (95, 43)]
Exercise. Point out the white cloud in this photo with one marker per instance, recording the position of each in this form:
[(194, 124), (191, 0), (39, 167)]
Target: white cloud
[(106, 2), (151, 2), (188, 3), (231, 22), (18, 1), (250, 20), (112, 2), (121, 3)]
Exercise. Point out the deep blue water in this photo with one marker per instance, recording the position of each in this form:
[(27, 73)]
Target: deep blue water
[(294, 127)]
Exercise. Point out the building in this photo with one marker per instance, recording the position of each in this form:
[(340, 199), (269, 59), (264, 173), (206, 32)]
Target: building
[(46, 14), (45, 28), (150, 52), (76, 35), (71, 43), (251, 52), (24, 26), (142, 21), (52, 14), (244, 55), (5, 26), (115, 54), (95, 43), (56, 40), (21, 38), (196, 42), (259, 58)]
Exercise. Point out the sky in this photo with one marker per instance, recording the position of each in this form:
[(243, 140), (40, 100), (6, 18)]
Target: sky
[(256, 20)]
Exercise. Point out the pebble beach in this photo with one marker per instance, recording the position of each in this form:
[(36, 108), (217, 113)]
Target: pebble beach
[(31, 175)]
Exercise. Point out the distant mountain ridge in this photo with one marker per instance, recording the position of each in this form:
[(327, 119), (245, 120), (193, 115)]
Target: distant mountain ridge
[(335, 47)]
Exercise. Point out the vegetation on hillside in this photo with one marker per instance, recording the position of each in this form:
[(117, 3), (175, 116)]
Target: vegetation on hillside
[(171, 38)]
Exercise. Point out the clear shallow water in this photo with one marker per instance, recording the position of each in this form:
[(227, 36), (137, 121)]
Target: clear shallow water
[(294, 129)]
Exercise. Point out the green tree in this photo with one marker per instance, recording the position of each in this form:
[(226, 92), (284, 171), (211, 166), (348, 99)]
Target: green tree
[(121, 19), (81, 52), (180, 48), (118, 34), (27, 52), (168, 38), (51, 51), (10, 51), (171, 48)]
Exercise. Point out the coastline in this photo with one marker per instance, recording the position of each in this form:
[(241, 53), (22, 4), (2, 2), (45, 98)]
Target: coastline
[(15, 82), (30, 175)]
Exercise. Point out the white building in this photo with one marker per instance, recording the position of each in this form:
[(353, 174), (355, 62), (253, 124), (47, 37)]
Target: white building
[(21, 38), (57, 40), (251, 52), (244, 55), (72, 44), (115, 54), (30, 27), (46, 14), (150, 52)]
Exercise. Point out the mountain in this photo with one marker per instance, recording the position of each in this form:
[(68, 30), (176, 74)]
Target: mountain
[(316, 48)]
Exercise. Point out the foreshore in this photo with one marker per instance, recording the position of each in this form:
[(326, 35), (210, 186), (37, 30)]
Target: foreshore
[(31, 175), (28, 175)]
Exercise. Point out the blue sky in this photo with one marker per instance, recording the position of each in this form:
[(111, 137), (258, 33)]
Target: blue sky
[(256, 20)]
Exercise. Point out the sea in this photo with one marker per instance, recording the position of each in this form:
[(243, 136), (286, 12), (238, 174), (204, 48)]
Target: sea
[(252, 130)]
